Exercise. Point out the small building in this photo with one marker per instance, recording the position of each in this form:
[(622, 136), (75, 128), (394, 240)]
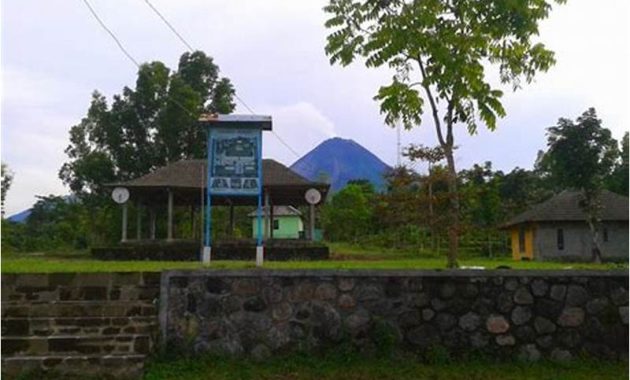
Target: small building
[(557, 229), (287, 222)]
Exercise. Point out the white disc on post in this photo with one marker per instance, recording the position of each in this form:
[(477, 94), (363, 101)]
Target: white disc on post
[(313, 196), (120, 195)]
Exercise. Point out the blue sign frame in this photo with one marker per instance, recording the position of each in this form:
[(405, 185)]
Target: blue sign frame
[(234, 169)]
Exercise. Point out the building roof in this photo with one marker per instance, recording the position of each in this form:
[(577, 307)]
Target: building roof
[(566, 207), (278, 211), (188, 177), (189, 173), (236, 121)]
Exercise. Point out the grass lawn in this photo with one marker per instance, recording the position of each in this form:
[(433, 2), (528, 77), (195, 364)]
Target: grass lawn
[(343, 257), (298, 367)]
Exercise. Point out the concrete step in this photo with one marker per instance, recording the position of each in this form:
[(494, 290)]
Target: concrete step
[(80, 293), (75, 345), (77, 308), (46, 326), (79, 366)]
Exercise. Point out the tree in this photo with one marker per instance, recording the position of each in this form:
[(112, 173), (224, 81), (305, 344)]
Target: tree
[(618, 179), (7, 180), (441, 46), (580, 156), (432, 156), (349, 213), (146, 127), (480, 189)]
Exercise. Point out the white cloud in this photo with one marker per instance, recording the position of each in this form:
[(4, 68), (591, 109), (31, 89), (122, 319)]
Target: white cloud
[(301, 126)]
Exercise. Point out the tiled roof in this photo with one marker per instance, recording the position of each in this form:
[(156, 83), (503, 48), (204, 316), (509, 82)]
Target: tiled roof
[(566, 207), (191, 173)]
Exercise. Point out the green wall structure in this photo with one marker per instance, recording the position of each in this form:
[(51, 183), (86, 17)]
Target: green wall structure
[(288, 227)]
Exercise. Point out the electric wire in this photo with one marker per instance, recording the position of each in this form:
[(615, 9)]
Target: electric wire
[(190, 48)]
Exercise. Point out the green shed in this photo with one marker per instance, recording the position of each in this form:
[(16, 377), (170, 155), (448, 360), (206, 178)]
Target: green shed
[(287, 222)]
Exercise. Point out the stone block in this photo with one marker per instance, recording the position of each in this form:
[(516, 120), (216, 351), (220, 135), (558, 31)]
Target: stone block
[(345, 284), (521, 315), (623, 314), (539, 287), (529, 353), (544, 325), (571, 317), (505, 340), (558, 292), (576, 295), (469, 321), (522, 296), (497, 324), (597, 305), (325, 292), (346, 302)]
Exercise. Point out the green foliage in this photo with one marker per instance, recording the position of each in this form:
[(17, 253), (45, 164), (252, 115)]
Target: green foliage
[(147, 126), (580, 155), (349, 215), (618, 179), (441, 47), (143, 128), (7, 179), (450, 42)]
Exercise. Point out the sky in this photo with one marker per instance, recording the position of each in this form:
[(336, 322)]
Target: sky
[(54, 54)]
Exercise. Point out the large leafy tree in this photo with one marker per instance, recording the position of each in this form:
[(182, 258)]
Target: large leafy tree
[(7, 180), (147, 126), (440, 47), (618, 179), (580, 156)]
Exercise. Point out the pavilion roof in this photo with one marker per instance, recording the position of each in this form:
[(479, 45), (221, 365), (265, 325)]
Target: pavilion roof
[(188, 176)]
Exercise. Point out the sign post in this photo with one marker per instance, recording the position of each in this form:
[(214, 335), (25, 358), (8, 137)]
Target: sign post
[(234, 167)]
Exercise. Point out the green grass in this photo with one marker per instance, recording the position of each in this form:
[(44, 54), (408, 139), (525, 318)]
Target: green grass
[(331, 366), (343, 257)]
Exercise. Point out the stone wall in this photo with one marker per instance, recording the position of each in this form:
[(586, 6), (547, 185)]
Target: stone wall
[(78, 323), (503, 314)]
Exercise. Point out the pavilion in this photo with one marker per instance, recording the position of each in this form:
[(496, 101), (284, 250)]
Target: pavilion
[(183, 184)]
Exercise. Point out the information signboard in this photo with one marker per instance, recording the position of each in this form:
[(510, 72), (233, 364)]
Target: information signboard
[(235, 161)]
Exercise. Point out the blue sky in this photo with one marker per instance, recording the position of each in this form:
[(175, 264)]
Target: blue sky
[(54, 55)]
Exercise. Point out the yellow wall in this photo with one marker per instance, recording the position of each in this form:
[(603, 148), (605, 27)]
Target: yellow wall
[(529, 243), (516, 254)]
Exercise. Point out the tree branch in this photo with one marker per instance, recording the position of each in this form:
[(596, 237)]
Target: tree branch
[(436, 118)]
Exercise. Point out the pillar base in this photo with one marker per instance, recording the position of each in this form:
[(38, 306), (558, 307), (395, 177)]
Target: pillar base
[(205, 255), (259, 255)]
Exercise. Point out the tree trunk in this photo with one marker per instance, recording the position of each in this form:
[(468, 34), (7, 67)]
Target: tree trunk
[(596, 253), (431, 221), (453, 229), (591, 208)]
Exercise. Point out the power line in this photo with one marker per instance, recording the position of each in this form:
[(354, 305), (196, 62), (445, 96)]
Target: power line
[(128, 55), (169, 25), (190, 48), (188, 45), (120, 46)]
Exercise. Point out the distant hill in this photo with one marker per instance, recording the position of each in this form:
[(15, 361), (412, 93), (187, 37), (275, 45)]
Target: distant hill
[(20, 217), (340, 160)]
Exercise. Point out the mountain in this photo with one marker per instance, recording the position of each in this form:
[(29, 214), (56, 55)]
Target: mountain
[(20, 217), (340, 160)]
